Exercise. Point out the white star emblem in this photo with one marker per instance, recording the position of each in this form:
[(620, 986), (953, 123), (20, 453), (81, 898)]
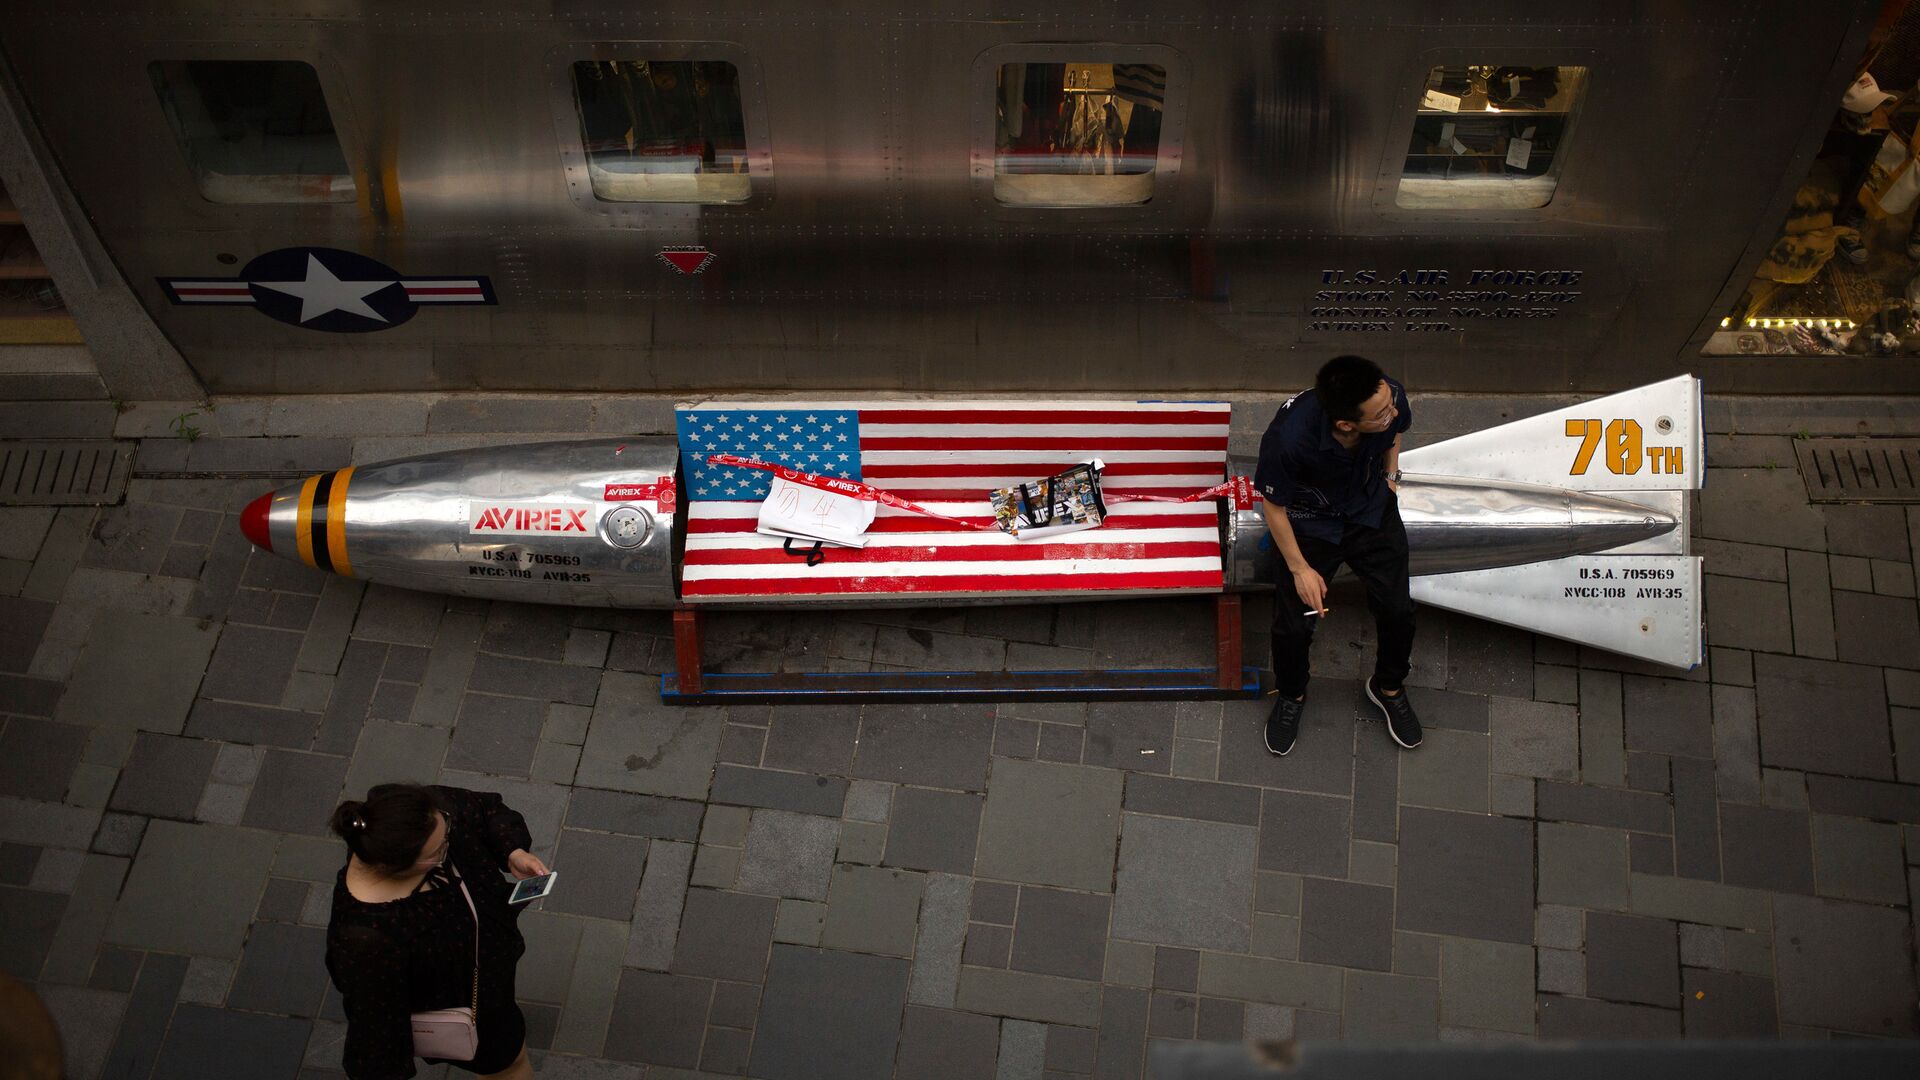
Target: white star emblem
[(722, 418), (843, 438), (843, 457), (321, 292), (813, 419), (813, 457), (752, 419), (841, 419), (706, 427)]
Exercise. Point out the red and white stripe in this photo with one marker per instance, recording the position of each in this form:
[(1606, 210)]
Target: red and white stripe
[(947, 456), (457, 291), (420, 291), (212, 292)]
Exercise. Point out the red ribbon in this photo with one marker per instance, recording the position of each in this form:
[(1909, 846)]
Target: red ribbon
[(1239, 488), (844, 487)]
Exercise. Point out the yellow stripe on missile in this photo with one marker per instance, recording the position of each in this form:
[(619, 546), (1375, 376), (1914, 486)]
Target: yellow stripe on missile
[(337, 522), (303, 522)]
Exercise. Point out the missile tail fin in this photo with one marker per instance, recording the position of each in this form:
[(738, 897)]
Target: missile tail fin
[(1644, 447), (1646, 439), (1638, 605)]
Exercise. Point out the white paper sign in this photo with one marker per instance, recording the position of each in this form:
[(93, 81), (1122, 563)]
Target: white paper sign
[(1519, 152), (811, 513), (1434, 99), (1458, 146), (1446, 132)]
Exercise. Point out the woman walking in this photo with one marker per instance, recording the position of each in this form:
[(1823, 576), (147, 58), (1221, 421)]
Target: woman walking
[(421, 923)]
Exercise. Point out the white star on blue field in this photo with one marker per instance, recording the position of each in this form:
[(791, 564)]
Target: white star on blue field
[(811, 441)]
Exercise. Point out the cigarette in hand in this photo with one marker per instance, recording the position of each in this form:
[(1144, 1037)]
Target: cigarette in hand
[(1315, 611)]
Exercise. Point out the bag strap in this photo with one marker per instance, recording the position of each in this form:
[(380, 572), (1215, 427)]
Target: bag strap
[(814, 555), (476, 938)]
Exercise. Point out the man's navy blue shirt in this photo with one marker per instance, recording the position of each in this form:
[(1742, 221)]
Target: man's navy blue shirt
[(1325, 486)]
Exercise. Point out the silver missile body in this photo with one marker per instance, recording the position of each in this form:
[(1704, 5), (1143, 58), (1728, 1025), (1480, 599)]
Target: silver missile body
[(595, 524), (1457, 524), (590, 524)]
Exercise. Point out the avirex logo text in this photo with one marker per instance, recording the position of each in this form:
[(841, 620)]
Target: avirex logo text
[(497, 520)]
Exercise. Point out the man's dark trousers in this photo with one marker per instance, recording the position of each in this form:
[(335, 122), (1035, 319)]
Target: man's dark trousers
[(1378, 557)]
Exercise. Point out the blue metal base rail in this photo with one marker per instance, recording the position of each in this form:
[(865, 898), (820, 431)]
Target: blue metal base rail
[(1165, 684)]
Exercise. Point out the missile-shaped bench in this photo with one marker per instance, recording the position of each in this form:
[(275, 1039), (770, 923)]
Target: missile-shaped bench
[(1572, 523)]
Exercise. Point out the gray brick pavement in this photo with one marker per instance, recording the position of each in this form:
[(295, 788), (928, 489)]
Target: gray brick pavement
[(1585, 847)]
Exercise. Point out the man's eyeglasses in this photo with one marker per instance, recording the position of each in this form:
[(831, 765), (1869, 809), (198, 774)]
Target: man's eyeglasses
[(1382, 416)]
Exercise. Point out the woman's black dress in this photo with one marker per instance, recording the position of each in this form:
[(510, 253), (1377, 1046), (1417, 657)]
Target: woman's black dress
[(410, 955)]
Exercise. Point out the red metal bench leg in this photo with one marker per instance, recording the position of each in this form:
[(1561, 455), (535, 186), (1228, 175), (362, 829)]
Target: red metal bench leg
[(686, 648), (1226, 611)]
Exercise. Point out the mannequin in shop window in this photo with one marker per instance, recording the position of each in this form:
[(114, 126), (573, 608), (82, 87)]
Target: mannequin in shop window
[(1859, 128)]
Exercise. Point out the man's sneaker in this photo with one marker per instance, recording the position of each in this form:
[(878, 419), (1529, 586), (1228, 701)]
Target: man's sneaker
[(1397, 711), (1283, 724), (1851, 248)]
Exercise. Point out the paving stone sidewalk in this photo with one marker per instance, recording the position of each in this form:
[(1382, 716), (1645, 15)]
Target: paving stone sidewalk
[(1585, 847)]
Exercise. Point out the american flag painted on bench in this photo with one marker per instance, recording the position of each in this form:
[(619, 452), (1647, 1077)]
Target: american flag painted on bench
[(946, 456)]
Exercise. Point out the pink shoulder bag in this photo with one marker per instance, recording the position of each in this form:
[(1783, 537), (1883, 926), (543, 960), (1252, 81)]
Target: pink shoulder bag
[(453, 1034)]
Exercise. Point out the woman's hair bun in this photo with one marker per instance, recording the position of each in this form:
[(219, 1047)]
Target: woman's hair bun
[(349, 820), (391, 826)]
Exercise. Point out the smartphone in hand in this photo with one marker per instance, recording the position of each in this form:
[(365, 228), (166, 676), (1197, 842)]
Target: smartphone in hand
[(533, 888)]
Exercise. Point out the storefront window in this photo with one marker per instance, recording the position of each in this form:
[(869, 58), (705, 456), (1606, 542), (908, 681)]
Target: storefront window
[(1838, 278), (663, 131), (254, 131), (1077, 134), (1490, 138)]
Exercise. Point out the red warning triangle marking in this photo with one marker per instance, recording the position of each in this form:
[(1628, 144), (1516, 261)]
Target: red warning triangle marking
[(688, 261)]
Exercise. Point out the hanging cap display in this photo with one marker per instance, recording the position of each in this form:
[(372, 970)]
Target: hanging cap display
[(1864, 95), (1522, 87)]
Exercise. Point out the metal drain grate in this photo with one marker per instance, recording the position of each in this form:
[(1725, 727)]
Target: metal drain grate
[(1860, 470), (63, 473)]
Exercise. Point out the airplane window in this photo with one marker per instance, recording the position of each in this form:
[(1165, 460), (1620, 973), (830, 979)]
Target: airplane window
[(1078, 134), (254, 131), (663, 131), (1490, 137)]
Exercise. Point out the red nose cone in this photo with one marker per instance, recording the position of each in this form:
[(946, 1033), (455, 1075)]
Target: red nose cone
[(253, 522)]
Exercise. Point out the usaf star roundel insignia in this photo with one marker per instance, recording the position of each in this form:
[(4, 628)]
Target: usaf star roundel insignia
[(319, 288)]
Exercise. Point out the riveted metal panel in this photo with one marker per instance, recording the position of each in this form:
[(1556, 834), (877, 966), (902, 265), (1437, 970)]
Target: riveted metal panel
[(869, 262)]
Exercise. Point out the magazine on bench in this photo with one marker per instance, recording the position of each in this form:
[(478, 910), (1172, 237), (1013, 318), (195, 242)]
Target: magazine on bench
[(1065, 503), (801, 512)]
